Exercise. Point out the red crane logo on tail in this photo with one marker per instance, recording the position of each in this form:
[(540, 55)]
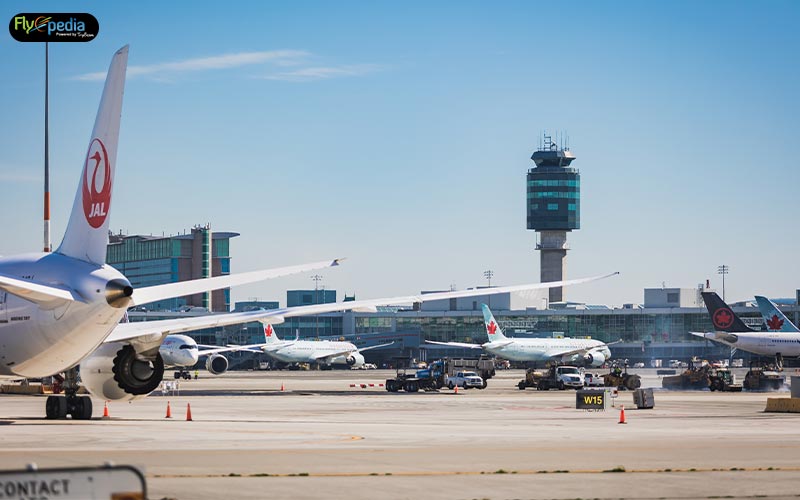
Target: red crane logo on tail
[(491, 328), (723, 318), (774, 323), (96, 184)]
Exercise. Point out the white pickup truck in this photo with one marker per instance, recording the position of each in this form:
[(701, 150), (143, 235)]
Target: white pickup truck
[(593, 380), (465, 380)]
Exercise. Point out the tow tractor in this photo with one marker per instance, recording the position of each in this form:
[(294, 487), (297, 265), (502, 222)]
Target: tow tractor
[(722, 379), (621, 379), (431, 378)]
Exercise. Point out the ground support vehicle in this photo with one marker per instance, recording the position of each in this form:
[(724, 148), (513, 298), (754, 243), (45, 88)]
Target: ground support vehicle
[(431, 378), (722, 379), (763, 378), (621, 379), (483, 367), (593, 380), (556, 377), (466, 380), (693, 378)]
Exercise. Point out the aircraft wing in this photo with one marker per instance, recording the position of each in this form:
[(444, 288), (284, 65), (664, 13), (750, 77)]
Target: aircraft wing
[(146, 333), (37, 292), (456, 344), (581, 350), (209, 350), (373, 347), (181, 288), (729, 338)]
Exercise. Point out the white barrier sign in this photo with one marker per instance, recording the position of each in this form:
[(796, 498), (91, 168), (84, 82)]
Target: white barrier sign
[(79, 483)]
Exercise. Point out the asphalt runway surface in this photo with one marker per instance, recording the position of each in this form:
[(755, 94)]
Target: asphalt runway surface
[(322, 438)]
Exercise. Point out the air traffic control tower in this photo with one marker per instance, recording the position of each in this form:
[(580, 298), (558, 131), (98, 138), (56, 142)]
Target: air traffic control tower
[(554, 208)]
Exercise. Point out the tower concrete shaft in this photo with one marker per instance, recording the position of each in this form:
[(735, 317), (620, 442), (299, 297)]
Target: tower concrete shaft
[(553, 264)]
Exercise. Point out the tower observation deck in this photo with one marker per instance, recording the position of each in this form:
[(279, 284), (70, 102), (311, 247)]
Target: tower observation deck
[(554, 208)]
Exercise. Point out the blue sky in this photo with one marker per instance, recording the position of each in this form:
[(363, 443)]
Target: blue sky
[(399, 136)]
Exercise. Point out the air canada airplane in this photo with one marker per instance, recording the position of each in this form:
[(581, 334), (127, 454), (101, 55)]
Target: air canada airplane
[(323, 352), (587, 351), (730, 330), (63, 309)]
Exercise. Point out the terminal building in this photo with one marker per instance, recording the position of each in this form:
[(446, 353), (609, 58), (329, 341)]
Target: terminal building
[(658, 329), (155, 260)]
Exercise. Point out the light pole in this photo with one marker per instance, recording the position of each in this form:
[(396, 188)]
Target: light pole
[(723, 270), (488, 274), (317, 278)]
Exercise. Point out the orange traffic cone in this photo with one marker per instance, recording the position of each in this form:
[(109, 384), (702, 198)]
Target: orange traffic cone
[(105, 410), (169, 411), (188, 412), (456, 388), (282, 388), (622, 415)]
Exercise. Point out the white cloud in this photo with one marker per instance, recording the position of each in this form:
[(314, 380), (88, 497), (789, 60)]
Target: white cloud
[(323, 73), (225, 61), (21, 177)]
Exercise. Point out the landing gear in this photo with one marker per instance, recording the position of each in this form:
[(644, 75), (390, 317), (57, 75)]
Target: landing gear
[(80, 407), (779, 362), (183, 374)]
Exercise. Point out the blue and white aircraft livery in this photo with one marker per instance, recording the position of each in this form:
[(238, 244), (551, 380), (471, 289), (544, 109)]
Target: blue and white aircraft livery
[(775, 320), (589, 352), (63, 309)]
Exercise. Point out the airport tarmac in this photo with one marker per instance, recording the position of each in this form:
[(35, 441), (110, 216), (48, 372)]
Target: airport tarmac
[(321, 438)]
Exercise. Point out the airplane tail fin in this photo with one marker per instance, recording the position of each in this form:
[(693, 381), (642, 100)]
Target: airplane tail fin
[(722, 317), (269, 335), (493, 330), (776, 321), (86, 236)]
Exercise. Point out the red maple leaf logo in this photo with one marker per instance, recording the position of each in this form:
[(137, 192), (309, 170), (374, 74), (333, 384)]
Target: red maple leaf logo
[(268, 331), (491, 328), (774, 323), (723, 318)]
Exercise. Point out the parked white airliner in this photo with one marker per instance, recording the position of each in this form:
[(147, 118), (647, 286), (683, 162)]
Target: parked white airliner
[(731, 331), (324, 352), (61, 309), (589, 352), (183, 352)]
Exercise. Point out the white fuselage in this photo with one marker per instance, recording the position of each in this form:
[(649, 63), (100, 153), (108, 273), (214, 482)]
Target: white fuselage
[(766, 343), (179, 351), (313, 351), (545, 349), (38, 340)]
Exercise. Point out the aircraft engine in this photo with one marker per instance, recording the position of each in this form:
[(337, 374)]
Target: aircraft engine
[(114, 372), (594, 358), (217, 364), (355, 359)]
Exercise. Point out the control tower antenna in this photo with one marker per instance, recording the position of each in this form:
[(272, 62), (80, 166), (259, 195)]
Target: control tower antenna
[(553, 206)]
